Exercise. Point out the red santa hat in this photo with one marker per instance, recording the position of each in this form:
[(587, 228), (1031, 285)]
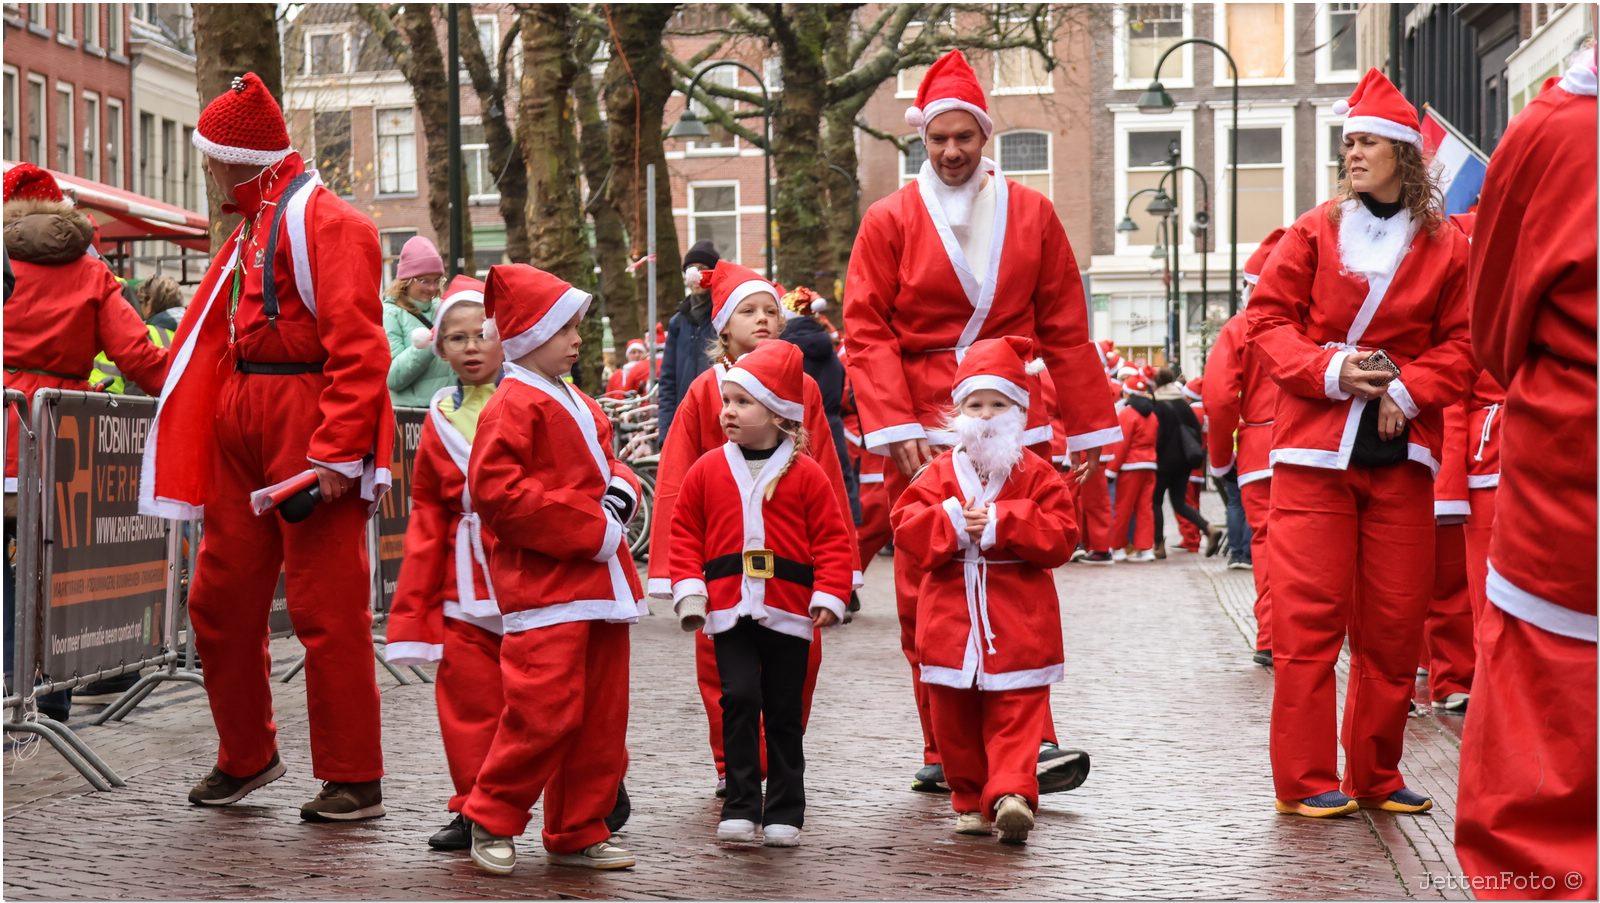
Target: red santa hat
[(1258, 260), (243, 125), (463, 288), (775, 374), (949, 84), (1135, 385), (1125, 371), (526, 306), (1191, 389), (661, 335), (1005, 365), (729, 283), (26, 182), (1378, 108), (635, 343)]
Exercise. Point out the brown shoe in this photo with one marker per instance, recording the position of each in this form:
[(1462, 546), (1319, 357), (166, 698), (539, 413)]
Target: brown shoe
[(1161, 550), (340, 801), (220, 788)]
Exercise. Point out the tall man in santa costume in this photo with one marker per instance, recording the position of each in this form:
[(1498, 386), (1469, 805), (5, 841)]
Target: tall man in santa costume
[(279, 367), (959, 255), (1527, 796)]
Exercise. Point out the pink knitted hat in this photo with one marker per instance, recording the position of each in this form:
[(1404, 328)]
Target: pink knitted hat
[(418, 257)]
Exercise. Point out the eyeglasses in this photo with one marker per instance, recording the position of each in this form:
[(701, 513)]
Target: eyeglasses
[(425, 283), (458, 341)]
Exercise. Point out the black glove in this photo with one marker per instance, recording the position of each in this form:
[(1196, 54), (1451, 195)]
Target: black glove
[(619, 502)]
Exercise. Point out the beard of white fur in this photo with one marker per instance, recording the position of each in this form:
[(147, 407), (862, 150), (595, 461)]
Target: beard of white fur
[(994, 446)]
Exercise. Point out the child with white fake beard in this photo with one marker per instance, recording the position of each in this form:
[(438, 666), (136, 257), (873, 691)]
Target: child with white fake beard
[(986, 523)]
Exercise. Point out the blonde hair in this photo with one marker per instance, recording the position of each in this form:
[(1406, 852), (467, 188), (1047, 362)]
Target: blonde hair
[(400, 293), (1419, 190), (717, 351), (796, 432)]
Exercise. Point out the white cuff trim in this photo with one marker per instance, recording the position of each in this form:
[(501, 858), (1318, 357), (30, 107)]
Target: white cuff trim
[(693, 586), (829, 602), (987, 540), (1330, 377), (1095, 439), (1402, 397), (1442, 508), (412, 653), (952, 508), (1541, 613), (891, 434), (1220, 472), (351, 469), (608, 546), (659, 588)]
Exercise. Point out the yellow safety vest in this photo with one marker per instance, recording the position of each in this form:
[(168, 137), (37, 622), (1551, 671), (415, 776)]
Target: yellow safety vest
[(105, 377)]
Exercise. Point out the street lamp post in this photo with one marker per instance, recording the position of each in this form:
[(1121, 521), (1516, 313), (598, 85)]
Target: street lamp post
[(1201, 228), (1156, 100), (690, 126)]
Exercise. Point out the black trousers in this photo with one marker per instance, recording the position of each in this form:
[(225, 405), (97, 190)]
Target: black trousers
[(763, 679), (1172, 482)]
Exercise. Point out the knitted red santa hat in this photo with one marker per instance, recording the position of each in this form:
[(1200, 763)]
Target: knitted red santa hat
[(463, 288), (729, 283), (243, 125), (26, 182), (1378, 108), (949, 84), (775, 374), (526, 306), (998, 364)]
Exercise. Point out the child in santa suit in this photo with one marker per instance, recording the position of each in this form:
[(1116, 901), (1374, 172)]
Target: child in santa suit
[(987, 522), (632, 375), (760, 559), (548, 488), (745, 312), (1134, 468)]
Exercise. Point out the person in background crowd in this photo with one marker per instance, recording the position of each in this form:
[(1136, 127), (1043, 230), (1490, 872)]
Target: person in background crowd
[(1133, 468), (1447, 655), (409, 308), (1354, 451), (689, 333), (806, 327), (1527, 792), (1178, 435), (156, 299), (1197, 476), (632, 375)]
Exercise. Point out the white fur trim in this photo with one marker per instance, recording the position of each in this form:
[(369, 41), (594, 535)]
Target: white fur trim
[(693, 586), (1383, 128), (410, 653), (1483, 480), (868, 479), (1451, 507), (422, 337), (1370, 245), (1330, 377), (614, 611), (491, 330), (740, 292), (792, 410), (1551, 617), (879, 440), (573, 302), (613, 538), (988, 538), (241, 155), (1402, 397), (294, 222), (694, 277), (1036, 435), (1096, 439), (1341, 107), (914, 117), (351, 469), (999, 384), (1034, 367), (947, 104), (455, 611), (958, 520), (659, 588), (1246, 479), (819, 305), (828, 602)]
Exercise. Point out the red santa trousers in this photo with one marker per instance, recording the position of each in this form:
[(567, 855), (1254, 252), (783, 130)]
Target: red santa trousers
[(1345, 553), (710, 682), (1480, 525), (1188, 533), (1135, 490), (989, 742), (1447, 631), (1094, 510), (1526, 802), (467, 688), (874, 531), (1256, 496), (562, 734), (263, 427)]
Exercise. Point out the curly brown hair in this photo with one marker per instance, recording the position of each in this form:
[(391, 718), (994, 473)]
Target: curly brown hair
[(1419, 190)]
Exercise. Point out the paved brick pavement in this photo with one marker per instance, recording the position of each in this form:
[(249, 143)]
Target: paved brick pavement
[(1159, 688)]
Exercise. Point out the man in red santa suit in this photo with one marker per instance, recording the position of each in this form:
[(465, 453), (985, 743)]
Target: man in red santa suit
[(279, 367), (1527, 793), (1375, 269), (1241, 397), (958, 255)]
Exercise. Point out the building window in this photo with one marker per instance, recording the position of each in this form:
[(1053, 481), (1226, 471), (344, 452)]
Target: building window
[(147, 154), (714, 215), (331, 136), (911, 159), (1266, 190), (114, 127), (1258, 38), (190, 188), (35, 15), (1025, 157), (91, 25), (488, 37), (1143, 32), (64, 20), (171, 176), (1138, 324), (37, 101), (114, 26), (65, 160), (11, 100), (1019, 70), (91, 136), (1146, 155), (327, 52), (1336, 42), (772, 74), (907, 80), (1334, 161), (397, 151), (393, 240), (482, 186), (720, 140)]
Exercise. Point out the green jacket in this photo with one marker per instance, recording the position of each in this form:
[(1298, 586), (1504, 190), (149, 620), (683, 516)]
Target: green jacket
[(415, 374)]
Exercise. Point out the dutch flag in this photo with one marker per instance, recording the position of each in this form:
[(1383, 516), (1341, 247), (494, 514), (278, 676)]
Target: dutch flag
[(1457, 163)]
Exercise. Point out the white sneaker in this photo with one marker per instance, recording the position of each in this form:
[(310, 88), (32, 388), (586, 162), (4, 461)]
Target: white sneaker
[(1119, 555), (974, 823), (1144, 555), (493, 853), (780, 836), (1079, 554), (1455, 704), (737, 830), (1013, 819), (601, 856)]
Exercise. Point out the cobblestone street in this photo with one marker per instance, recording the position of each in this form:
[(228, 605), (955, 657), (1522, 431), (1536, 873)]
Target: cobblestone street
[(1160, 689)]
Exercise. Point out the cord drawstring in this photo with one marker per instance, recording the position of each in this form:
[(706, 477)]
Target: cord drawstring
[(1483, 439)]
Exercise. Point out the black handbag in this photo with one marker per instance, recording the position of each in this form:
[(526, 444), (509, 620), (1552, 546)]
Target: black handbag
[(1371, 451), (1193, 451)]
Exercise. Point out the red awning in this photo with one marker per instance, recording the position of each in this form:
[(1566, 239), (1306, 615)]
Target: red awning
[(130, 216)]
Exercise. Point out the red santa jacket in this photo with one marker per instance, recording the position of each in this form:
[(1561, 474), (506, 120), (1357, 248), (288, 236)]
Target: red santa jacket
[(697, 429), (1450, 483), (1240, 398), (1137, 450), (1311, 309), (1486, 417), (630, 377), (1533, 328), (1108, 451), (445, 570), (327, 270), (540, 465), (987, 612), (911, 301), (722, 512)]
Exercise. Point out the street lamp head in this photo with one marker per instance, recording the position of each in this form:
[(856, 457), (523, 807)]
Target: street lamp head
[(1155, 99), (1161, 204), (1127, 225), (1159, 252), (689, 126)]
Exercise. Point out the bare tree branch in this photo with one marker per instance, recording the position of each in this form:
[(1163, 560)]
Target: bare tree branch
[(881, 135)]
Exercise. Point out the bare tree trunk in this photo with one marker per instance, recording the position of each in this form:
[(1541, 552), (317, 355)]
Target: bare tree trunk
[(505, 157), (231, 39), (800, 32), (842, 212), (634, 108), (546, 130), (610, 237)]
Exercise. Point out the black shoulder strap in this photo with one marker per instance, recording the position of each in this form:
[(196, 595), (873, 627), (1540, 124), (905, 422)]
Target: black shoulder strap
[(269, 287)]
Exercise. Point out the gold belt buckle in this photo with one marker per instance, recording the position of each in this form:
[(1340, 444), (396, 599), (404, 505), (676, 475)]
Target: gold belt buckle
[(758, 563)]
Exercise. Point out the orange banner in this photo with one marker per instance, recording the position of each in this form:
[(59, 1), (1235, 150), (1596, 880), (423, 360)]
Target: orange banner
[(97, 584)]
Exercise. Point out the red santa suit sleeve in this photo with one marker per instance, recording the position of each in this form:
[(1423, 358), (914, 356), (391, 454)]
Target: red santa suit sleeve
[(1062, 328), (346, 312), (886, 412), (414, 631), (1224, 381)]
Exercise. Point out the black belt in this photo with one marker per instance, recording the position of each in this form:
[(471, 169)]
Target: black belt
[(761, 564), (274, 369)]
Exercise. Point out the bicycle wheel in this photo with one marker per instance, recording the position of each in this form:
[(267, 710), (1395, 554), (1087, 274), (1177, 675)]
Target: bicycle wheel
[(638, 533)]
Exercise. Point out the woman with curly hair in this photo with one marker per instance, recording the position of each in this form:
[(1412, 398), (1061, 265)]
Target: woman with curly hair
[(1360, 317)]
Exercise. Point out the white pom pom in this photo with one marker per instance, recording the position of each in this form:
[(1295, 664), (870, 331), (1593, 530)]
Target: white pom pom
[(693, 277), (914, 117), (819, 305), (491, 330), (1341, 107), (1034, 367), (422, 337)]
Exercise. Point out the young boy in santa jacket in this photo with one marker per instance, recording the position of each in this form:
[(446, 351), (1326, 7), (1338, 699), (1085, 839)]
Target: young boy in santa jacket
[(547, 486), (987, 522), (1134, 469), (760, 559)]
